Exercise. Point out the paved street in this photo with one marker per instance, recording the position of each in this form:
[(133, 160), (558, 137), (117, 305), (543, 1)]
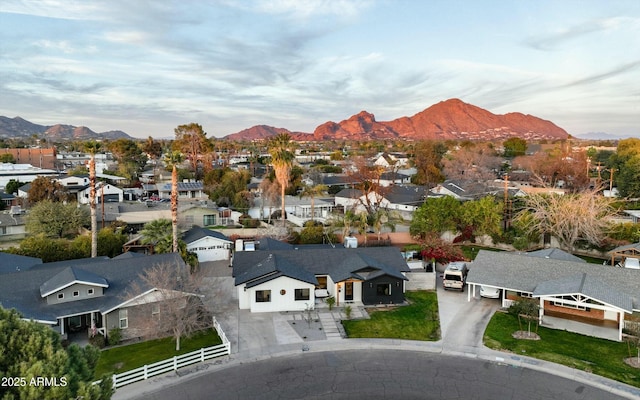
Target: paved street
[(378, 374)]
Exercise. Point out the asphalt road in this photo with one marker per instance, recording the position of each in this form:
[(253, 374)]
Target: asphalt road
[(377, 374)]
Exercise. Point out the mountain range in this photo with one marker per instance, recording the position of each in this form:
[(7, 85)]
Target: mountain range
[(449, 119), (21, 128)]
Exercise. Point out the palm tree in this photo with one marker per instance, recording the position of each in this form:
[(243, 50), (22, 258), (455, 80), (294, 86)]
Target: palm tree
[(172, 160), (282, 158), (382, 217), (312, 192), (158, 233), (92, 147)]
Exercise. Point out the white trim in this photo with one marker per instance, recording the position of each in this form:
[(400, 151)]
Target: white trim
[(73, 283), (80, 313), (123, 304)]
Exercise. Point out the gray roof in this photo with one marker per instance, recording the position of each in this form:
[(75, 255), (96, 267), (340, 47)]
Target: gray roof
[(21, 290), (68, 277), (197, 232), (339, 263), (555, 254), (586, 285), (523, 273), (407, 194), (13, 262)]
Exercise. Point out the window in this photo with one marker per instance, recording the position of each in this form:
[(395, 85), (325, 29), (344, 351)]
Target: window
[(302, 294), (76, 293), (383, 289), (263, 296), (322, 282), (123, 316), (208, 220), (60, 296), (155, 309), (3, 230), (89, 292)]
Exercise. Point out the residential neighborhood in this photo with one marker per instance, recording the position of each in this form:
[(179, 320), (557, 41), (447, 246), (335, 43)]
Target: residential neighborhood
[(270, 234)]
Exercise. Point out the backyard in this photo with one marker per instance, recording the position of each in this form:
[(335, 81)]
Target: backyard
[(124, 358), (417, 321), (585, 353)]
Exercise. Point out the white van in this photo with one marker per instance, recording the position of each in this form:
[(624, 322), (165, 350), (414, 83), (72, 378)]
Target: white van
[(455, 275)]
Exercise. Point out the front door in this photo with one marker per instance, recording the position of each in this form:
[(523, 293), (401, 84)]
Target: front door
[(348, 291)]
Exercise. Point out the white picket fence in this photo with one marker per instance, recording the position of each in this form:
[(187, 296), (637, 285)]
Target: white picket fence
[(173, 364)]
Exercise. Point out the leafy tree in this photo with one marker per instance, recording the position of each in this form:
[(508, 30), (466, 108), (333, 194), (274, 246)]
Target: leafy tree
[(45, 188), (514, 147), (32, 350), (428, 162), (40, 246), (152, 148), (55, 219), (434, 248), (312, 233), (569, 217), (131, 159), (281, 150), (525, 309), (7, 158), (12, 186), (110, 244), (484, 216), (192, 141), (435, 216), (626, 162), (560, 164), (382, 217)]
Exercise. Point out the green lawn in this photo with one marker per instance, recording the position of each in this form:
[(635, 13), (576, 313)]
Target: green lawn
[(125, 358), (598, 356), (417, 321)]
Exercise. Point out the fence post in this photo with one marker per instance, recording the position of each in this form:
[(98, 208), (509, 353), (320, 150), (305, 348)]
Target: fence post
[(175, 363), (113, 380), (145, 372)]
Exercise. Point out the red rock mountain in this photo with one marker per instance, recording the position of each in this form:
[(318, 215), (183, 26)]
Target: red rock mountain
[(450, 119)]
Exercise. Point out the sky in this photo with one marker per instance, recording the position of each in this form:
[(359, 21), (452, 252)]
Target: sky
[(148, 66)]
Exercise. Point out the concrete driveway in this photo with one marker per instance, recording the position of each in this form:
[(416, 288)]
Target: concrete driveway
[(462, 323)]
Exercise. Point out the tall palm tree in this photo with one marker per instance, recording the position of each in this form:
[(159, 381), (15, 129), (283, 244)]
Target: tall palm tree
[(172, 160), (280, 148), (92, 147), (312, 192)]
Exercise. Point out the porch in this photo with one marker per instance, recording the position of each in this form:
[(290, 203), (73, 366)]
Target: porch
[(595, 328)]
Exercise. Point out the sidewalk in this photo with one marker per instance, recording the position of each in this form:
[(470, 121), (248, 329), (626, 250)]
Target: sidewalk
[(262, 336)]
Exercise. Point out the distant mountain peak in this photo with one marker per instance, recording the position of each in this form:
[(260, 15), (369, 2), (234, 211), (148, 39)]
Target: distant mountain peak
[(18, 127), (448, 119)]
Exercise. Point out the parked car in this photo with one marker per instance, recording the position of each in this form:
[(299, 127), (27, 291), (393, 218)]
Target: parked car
[(489, 292), (455, 275)]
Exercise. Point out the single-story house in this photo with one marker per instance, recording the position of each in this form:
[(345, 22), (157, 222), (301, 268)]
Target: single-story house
[(400, 198), (463, 190), (294, 277), (85, 295), (577, 291), (111, 194), (207, 244), (12, 225), (298, 210), (186, 190)]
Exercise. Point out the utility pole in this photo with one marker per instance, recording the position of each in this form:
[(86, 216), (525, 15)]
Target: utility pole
[(611, 180)]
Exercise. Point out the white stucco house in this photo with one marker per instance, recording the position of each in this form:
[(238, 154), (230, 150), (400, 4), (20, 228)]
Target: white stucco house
[(207, 244)]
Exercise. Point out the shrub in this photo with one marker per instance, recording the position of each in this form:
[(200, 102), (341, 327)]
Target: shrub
[(97, 341), (115, 336)]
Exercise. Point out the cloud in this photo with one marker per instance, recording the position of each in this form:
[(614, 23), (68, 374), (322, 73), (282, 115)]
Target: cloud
[(304, 9), (618, 70), (556, 39)]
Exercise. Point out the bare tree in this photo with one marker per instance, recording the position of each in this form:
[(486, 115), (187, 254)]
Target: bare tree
[(568, 217), (369, 185), (270, 195), (92, 147), (472, 162), (171, 305)]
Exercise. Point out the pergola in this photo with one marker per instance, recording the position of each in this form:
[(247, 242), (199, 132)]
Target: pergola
[(622, 252)]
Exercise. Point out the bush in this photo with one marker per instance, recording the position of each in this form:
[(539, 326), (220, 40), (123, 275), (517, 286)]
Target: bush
[(97, 341), (115, 336)]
